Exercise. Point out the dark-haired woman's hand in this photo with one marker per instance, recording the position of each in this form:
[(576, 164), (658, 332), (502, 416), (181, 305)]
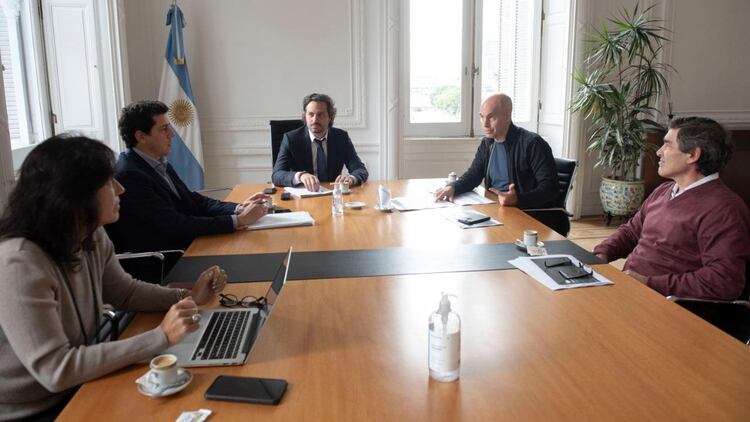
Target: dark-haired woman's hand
[(181, 319), (210, 283)]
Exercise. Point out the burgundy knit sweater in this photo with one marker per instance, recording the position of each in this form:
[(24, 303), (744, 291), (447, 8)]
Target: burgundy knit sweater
[(695, 245)]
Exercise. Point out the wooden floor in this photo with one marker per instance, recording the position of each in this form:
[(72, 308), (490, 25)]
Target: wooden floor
[(589, 232)]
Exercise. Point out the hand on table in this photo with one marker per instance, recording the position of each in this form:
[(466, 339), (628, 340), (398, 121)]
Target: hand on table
[(256, 198), (310, 181), (251, 213), (351, 180), (445, 193)]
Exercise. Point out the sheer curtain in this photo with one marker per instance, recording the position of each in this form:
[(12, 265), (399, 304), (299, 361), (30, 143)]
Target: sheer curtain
[(6, 156)]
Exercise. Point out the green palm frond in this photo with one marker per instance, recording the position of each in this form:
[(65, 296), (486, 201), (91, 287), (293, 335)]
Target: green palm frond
[(618, 88)]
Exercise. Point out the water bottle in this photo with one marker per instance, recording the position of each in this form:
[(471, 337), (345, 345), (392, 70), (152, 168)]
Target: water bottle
[(337, 206), (444, 354)]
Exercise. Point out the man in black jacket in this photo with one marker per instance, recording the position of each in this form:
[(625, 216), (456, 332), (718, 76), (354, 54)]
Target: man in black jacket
[(157, 210), (516, 165)]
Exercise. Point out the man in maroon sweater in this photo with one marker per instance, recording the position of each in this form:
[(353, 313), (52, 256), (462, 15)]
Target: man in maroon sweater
[(691, 237)]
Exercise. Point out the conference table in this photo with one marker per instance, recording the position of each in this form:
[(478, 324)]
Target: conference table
[(355, 348)]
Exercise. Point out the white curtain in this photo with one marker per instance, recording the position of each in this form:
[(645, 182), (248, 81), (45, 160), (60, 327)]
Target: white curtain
[(6, 156)]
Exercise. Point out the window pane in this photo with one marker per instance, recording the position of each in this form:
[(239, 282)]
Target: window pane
[(507, 52), (13, 78), (435, 33)]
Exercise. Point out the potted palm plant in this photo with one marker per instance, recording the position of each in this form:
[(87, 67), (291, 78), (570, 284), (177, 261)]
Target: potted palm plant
[(617, 93)]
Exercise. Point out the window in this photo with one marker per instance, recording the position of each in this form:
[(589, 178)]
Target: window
[(11, 51), (62, 73), (459, 52)]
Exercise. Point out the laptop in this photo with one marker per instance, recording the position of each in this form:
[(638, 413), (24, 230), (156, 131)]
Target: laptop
[(227, 335)]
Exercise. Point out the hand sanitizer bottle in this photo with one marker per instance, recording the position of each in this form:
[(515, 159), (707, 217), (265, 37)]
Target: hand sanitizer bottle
[(444, 355)]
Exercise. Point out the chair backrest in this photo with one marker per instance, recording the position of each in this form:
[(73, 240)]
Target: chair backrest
[(566, 173), (278, 129)]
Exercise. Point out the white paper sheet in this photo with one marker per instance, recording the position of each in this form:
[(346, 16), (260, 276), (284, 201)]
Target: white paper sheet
[(287, 219), (471, 198), (421, 202), (304, 193), (526, 265)]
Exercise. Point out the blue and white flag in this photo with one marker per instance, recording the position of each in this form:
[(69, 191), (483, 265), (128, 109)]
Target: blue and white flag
[(186, 155)]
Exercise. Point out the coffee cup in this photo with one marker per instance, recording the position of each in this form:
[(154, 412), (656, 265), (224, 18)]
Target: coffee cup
[(164, 371), (345, 187), (530, 237)]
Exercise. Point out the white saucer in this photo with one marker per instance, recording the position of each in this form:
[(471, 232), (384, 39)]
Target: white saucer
[(522, 246), (143, 388), (377, 207), (355, 204)]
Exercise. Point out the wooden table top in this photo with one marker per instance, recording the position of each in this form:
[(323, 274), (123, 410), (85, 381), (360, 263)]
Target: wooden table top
[(356, 349), (368, 228)]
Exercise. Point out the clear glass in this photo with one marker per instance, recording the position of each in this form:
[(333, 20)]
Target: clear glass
[(337, 204), (435, 51)]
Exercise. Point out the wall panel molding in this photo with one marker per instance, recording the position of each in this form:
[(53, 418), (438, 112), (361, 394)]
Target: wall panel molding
[(346, 118), (731, 119)]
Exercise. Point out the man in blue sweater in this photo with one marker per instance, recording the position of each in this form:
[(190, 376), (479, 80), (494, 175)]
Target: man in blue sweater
[(516, 165)]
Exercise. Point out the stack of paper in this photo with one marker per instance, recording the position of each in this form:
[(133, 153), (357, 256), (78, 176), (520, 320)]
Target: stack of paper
[(528, 266), (287, 219), (304, 193)]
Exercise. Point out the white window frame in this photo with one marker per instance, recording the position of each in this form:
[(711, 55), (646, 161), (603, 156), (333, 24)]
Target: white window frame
[(470, 125), (113, 84)]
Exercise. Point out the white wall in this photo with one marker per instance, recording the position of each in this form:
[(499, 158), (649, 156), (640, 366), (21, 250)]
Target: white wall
[(253, 61)]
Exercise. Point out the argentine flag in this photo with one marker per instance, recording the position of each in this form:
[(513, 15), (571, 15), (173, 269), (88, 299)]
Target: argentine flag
[(186, 155)]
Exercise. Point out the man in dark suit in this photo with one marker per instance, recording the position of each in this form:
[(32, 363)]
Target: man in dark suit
[(317, 152), (157, 210)]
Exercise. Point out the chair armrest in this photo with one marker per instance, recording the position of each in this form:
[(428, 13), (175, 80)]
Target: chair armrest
[(717, 301), (138, 255), (149, 266), (562, 210)]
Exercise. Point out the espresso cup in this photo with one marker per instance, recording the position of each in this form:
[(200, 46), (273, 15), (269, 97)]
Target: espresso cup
[(530, 237), (164, 370), (345, 187)]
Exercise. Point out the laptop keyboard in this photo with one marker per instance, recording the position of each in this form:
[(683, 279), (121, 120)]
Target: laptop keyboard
[(221, 340)]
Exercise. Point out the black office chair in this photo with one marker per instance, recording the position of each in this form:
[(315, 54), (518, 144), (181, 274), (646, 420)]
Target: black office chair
[(278, 129), (558, 218), (730, 316)]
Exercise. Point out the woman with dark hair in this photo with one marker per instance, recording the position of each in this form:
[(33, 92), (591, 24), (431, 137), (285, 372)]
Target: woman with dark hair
[(58, 268)]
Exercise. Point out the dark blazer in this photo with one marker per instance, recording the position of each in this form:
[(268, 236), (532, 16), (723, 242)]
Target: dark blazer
[(153, 218), (531, 168), (295, 155)]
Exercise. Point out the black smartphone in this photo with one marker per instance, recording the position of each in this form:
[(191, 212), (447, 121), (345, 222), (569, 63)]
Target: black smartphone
[(473, 218), (269, 191), (246, 389), (286, 196)]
